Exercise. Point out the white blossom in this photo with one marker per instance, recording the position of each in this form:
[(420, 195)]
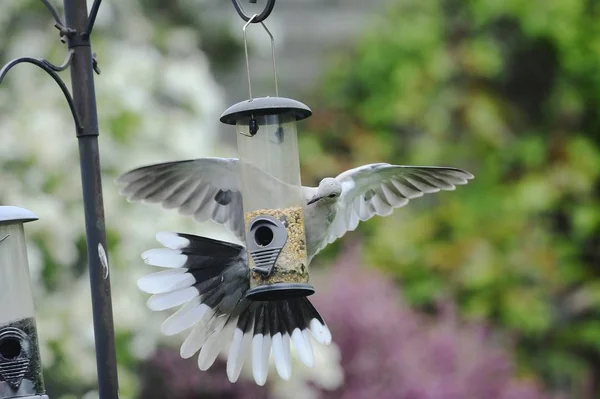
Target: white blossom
[(153, 105)]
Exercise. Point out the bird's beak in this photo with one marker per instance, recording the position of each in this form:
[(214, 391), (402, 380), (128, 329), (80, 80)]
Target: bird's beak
[(313, 200)]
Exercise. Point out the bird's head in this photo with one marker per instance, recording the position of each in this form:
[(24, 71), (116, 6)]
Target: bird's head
[(329, 190)]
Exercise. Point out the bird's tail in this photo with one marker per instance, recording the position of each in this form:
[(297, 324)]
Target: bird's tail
[(209, 280)]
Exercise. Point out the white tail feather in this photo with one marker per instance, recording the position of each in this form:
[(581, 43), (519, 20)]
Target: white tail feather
[(281, 360), (164, 257), (266, 354), (194, 340), (237, 355), (209, 352), (257, 355), (287, 351), (308, 342), (165, 281), (223, 335), (233, 357), (172, 240), (184, 318), (304, 352), (170, 300), (320, 332)]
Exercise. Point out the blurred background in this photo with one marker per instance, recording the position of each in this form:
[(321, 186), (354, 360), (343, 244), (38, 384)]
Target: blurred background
[(492, 291)]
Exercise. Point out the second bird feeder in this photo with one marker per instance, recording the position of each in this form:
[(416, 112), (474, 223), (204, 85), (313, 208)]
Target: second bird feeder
[(20, 367)]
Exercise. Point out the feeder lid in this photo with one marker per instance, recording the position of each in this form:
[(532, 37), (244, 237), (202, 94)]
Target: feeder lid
[(16, 214), (278, 291), (265, 106)]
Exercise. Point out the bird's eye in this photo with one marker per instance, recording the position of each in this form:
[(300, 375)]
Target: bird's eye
[(331, 195)]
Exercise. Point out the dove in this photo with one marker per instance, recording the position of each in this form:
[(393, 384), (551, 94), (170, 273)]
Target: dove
[(209, 278)]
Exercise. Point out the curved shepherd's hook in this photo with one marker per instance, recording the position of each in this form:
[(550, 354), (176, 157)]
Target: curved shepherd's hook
[(75, 30), (258, 18), (51, 70)]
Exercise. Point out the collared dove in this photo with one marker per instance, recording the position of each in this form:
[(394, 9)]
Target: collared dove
[(210, 278)]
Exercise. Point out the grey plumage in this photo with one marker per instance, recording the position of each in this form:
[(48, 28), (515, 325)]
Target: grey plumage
[(209, 278), (210, 189)]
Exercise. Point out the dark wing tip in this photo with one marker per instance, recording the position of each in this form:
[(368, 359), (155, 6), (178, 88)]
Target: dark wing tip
[(456, 171), (467, 175), (138, 172)]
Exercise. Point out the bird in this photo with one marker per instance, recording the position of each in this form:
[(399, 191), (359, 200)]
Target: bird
[(209, 278)]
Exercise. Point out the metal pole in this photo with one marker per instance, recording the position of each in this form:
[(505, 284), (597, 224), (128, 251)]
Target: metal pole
[(82, 83)]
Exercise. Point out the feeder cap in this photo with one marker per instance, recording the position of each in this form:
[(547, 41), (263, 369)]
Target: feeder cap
[(265, 106), (16, 214), (279, 291)]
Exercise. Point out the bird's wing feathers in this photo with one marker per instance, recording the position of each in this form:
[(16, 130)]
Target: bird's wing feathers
[(208, 279), (206, 188), (377, 189)]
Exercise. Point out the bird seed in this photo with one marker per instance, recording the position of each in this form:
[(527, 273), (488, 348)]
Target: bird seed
[(290, 266)]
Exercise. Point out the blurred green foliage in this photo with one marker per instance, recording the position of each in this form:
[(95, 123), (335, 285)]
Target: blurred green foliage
[(509, 90)]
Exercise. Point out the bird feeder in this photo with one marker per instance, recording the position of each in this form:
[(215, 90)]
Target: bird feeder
[(20, 367), (271, 190), (272, 195)]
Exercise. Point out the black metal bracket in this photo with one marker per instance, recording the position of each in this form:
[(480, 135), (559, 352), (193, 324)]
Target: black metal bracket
[(73, 39), (75, 32), (60, 25), (51, 70), (261, 17)]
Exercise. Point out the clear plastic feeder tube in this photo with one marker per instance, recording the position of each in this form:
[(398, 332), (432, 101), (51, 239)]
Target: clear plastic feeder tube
[(272, 199), (270, 162)]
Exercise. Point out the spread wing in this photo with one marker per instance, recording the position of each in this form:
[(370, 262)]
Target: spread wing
[(208, 279), (377, 189), (206, 188)]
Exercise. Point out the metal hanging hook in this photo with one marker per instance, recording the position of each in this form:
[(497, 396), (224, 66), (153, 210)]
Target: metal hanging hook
[(251, 20), (257, 18)]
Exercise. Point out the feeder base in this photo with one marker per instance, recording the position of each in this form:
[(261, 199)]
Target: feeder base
[(278, 291)]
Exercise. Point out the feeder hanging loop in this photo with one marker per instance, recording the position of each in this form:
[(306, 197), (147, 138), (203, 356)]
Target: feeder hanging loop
[(260, 18), (252, 20)]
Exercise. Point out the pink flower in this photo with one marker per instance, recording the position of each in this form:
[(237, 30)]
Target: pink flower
[(390, 351)]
